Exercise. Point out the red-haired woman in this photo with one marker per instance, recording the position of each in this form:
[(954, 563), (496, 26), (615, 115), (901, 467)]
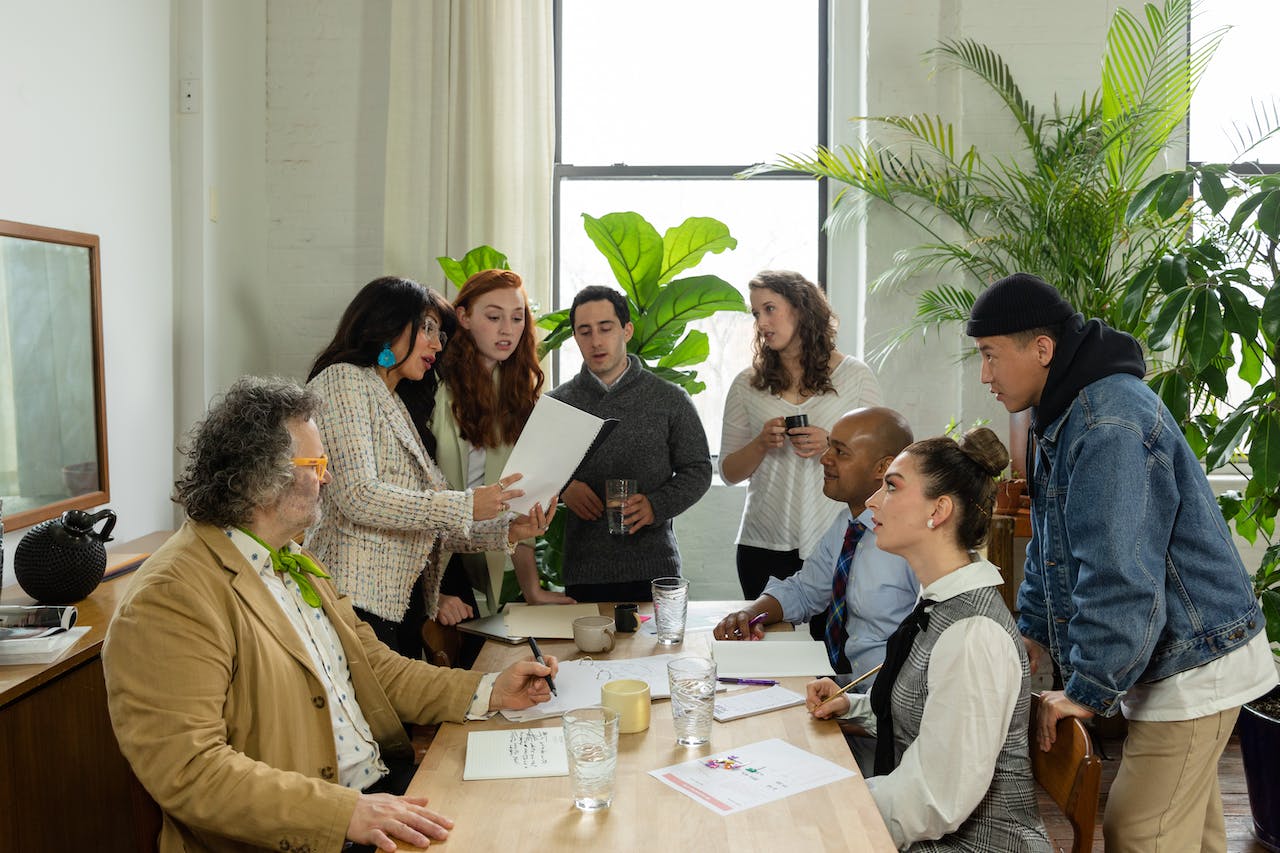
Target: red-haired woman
[(490, 380), (796, 371)]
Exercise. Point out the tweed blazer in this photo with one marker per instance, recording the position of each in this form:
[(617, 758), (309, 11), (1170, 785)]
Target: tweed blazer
[(218, 709), (389, 505), (452, 453)]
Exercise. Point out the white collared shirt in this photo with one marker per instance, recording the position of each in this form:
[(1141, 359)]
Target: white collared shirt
[(359, 759), (974, 678)]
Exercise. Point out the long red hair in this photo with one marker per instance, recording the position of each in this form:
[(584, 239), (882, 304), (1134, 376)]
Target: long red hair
[(491, 414)]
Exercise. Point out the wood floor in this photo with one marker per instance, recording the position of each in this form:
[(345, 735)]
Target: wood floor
[(1235, 802)]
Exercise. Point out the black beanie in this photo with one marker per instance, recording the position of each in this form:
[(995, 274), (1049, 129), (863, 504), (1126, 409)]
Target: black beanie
[(1016, 303)]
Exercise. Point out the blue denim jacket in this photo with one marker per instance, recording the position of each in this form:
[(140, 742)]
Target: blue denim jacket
[(1131, 574)]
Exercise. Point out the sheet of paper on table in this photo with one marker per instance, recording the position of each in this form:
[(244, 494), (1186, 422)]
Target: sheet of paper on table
[(515, 754), (751, 702), (549, 621), (770, 660), (701, 616), (578, 683), (553, 443), (738, 779)]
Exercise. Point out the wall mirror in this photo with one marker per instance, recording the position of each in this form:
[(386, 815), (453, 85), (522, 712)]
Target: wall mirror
[(53, 426)]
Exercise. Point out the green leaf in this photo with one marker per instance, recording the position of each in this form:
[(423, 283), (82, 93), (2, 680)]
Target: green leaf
[(1165, 326), (1271, 314), (1227, 439), (1174, 195), (478, 259), (1269, 215), (1240, 316), (695, 348), (1250, 370), (1264, 451), (685, 245), (1204, 331), (1213, 378), (1195, 439), (1171, 273), (1135, 294), (1270, 599), (1142, 198), (683, 301), (633, 249), (688, 380), (1248, 206), (558, 323), (1173, 392), (1212, 192), (1229, 502)]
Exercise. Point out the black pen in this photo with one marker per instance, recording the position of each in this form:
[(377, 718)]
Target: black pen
[(537, 655)]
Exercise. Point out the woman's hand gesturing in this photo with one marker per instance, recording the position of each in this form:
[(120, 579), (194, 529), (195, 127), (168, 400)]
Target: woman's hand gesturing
[(488, 501)]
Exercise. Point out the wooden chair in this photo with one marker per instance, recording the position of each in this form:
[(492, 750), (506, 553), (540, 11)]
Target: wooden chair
[(443, 643), (1071, 773)]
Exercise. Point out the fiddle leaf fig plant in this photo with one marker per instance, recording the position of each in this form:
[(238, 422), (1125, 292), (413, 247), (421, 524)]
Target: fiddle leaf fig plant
[(645, 264)]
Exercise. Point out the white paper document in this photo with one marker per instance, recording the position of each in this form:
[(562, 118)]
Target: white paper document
[(770, 660), (578, 683), (752, 775), (551, 446), (40, 649), (735, 705), (516, 754), (701, 616), (546, 621)]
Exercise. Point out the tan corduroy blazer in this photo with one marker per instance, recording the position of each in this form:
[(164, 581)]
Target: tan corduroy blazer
[(217, 707), (389, 503)]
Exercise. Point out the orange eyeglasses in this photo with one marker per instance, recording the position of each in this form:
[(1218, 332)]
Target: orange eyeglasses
[(320, 463)]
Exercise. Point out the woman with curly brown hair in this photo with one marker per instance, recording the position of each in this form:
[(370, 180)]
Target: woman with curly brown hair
[(796, 372), (490, 383)]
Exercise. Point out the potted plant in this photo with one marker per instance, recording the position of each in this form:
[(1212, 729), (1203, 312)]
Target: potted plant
[(1213, 307), (1055, 206), (645, 264)]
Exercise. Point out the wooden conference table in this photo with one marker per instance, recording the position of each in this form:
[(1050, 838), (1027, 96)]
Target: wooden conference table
[(526, 814)]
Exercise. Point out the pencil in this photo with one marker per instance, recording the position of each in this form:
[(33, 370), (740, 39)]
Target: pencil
[(845, 689)]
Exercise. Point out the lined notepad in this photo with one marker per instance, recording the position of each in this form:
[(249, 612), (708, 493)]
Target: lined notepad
[(516, 754), (770, 660)]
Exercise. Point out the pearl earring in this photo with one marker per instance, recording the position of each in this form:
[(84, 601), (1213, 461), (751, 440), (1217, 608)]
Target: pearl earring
[(929, 524)]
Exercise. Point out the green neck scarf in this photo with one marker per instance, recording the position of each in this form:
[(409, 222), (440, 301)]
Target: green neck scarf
[(298, 566)]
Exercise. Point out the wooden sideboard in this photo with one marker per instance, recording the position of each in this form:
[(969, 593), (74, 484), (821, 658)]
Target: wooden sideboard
[(64, 784)]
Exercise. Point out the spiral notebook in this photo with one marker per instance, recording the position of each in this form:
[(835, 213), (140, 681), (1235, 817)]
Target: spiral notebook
[(749, 703)]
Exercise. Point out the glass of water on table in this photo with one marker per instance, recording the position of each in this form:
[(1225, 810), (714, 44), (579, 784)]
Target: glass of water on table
[(670, 608), (591, 741), (693, 698)]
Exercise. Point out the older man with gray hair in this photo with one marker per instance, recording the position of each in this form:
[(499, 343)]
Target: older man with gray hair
[(251, 702)]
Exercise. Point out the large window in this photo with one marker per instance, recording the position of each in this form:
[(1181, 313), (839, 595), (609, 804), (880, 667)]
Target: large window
[(1240, 79), (659, 104)]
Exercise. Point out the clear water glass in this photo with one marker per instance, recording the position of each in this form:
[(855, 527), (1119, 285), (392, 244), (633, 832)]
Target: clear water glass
[(616, 494), (670, 606), (591, 741), (693, 698)]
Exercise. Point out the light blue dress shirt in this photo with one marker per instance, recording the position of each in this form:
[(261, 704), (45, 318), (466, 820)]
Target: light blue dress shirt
[(881, 592)]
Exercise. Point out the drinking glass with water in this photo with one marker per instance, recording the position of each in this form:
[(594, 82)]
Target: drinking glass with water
[(616, 493), (591, 741), (693, 698)]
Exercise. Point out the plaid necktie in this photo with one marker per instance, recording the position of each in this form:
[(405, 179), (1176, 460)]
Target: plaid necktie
[(836, 633)]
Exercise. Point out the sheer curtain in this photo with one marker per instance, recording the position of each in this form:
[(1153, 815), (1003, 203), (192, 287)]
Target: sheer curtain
[(470, 136)]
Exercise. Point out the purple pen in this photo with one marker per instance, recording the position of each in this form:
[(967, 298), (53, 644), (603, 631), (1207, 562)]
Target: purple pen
[(756, 620), (727, 680)]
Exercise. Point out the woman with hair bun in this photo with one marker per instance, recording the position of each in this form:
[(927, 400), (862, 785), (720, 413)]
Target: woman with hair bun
[(796, 371), (949, 709), (389, 507), (490, 381)]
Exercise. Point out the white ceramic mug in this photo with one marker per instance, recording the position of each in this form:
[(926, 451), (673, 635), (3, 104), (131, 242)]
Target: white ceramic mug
[(593, 633)]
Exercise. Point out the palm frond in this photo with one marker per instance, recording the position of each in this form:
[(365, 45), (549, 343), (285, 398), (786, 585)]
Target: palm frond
[(988, 65)]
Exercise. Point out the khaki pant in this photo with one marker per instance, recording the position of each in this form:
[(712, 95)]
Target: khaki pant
[(1165, 796)]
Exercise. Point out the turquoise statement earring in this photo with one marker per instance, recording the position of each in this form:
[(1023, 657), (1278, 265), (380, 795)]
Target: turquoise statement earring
[(386, 358)]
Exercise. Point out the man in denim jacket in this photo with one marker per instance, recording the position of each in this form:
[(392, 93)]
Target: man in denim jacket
[(1133, 584)]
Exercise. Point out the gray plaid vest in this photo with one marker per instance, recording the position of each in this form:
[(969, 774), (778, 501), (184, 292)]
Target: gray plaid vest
[(1007, 820)]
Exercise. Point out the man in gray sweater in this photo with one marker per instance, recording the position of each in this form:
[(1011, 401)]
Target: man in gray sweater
[(659, 442)]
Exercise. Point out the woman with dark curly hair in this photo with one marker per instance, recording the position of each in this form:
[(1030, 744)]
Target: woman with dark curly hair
[(489, 385), (796, 372), (389, 506)]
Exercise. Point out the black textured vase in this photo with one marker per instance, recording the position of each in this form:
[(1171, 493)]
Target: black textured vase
[(61, 561)]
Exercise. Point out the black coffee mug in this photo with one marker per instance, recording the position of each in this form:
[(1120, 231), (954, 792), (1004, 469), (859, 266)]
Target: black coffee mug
[(794, 421), (624, 617)]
